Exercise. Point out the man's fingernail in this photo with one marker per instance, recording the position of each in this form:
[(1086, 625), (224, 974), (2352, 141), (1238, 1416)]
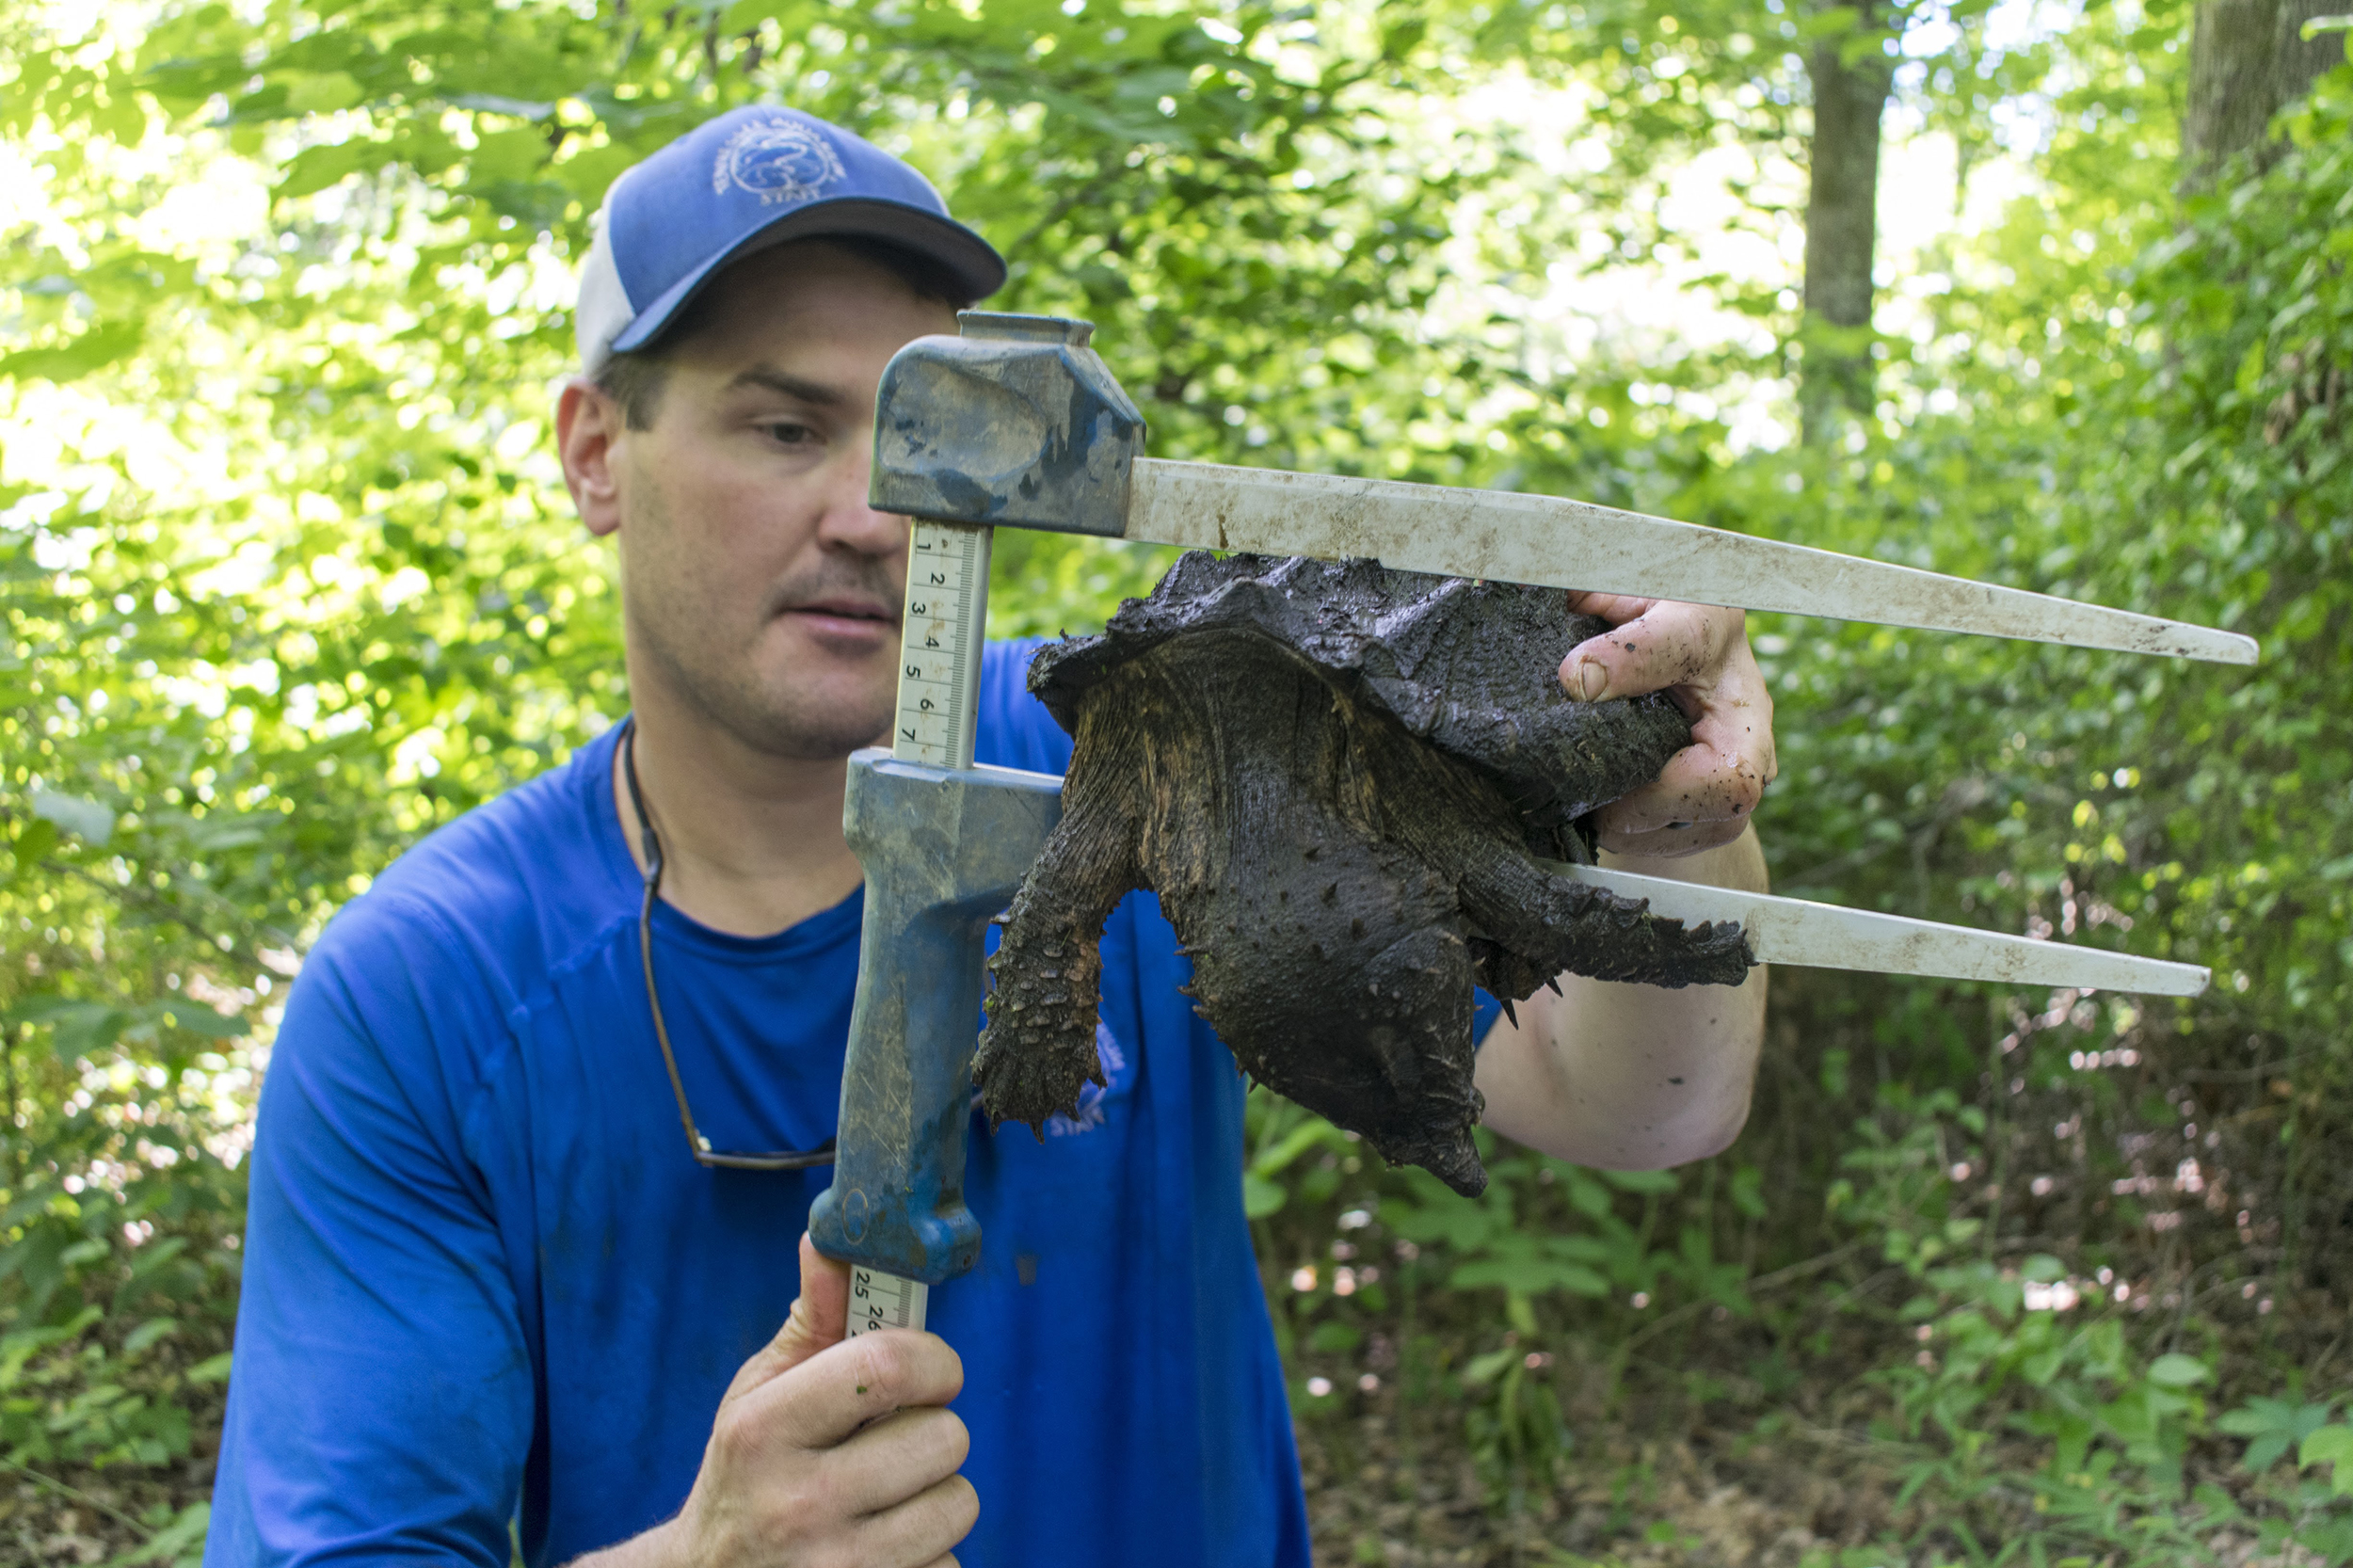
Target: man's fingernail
[(1592, 681)]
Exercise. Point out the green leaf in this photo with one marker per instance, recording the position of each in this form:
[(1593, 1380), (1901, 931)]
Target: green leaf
[(2272, 1427), (95, 349), (2330, 1539), (213, 1368), (2176, 1370), (1335, 1338), (1748, 1194), (1260, 1196), (1399, 38), (147, 1333), (325, 92), (1589, 1197), (2265, 1451), (2251, 369), (177, 1541), (220, 830), (538, 203), (507, 155), (1482, 1368), (196, 1018), (35, 839), (78, 1028), (1315, 1131), (314, 169), (155, 1254), (2331, 1445)]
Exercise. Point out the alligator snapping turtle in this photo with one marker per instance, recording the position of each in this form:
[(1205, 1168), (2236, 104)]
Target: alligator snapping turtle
[(1341, 781)]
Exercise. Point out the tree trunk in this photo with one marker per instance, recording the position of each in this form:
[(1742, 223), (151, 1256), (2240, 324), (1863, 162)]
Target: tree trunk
[(1841, 228), (2246, 62)]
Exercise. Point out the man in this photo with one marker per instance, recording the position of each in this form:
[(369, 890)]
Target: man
[(485, 1281)]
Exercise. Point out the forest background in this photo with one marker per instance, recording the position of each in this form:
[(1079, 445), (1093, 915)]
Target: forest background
[(289, 578)]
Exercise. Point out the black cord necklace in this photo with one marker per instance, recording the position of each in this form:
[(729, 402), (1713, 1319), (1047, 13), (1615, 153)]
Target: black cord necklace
[(695, 1143)]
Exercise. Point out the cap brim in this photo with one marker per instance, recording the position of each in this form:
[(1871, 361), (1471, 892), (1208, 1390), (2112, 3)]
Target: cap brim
[(969, 259)]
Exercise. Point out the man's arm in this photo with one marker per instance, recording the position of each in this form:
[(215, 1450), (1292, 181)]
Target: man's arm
[(380, 1401), (1640, 1076), (1633, 1077)]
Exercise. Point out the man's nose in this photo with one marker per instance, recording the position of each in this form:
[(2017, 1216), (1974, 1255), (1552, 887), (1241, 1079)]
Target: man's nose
[(849, 523)]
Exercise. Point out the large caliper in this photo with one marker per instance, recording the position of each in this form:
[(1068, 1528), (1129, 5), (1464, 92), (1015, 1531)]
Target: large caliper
[(1017, 423)]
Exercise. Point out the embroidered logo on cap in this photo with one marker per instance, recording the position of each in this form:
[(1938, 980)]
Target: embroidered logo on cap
[(778, 160)]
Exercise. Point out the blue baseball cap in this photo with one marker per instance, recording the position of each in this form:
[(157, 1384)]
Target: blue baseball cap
[(752, 178)]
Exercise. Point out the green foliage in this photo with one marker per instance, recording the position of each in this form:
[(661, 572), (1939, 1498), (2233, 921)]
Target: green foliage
[(2071, 1218)]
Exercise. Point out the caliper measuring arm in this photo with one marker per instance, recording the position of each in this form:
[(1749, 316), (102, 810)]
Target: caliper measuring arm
[(1017, 423)]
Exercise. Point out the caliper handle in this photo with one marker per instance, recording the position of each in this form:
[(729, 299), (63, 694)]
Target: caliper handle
[(944, 849)]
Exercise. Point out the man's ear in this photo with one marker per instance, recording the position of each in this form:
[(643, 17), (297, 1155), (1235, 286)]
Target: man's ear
[(589, 427)]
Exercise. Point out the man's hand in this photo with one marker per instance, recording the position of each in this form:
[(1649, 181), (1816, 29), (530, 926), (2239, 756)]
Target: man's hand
[(827, 1452), (1633, 1077), (1700, 656)]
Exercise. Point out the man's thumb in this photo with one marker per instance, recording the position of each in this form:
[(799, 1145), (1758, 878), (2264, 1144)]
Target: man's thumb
[(819, 1320)]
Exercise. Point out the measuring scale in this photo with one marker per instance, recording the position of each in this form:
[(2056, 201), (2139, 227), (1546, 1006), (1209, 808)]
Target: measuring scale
[(940, 686)]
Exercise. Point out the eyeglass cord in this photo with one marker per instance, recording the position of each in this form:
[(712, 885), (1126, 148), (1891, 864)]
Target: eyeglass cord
[(696, 1143)]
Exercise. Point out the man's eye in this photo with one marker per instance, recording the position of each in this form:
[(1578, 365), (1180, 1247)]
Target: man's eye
[(787, 434)]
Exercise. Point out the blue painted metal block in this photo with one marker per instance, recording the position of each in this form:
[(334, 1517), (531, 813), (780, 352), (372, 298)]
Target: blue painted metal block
[(1018, 422), (944, 851)]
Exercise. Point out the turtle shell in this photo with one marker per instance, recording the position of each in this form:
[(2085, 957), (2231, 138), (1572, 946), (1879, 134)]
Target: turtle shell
[(1468, 667)]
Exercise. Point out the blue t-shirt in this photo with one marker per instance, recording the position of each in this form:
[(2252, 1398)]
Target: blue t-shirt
[(482, 1271)]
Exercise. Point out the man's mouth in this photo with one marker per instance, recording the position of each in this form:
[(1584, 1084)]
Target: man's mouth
[(846, 614)]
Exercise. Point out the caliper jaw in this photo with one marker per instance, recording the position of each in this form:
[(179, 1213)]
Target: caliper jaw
[(944, 849), (1016, 422)]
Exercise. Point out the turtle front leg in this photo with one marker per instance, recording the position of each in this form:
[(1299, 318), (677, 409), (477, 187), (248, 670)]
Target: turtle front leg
[(1038, 1049), (1548, 923)]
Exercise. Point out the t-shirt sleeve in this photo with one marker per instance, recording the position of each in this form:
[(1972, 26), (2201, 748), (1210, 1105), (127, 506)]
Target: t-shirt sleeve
[(380, 1398), (1015, 728), (1485, 1010)]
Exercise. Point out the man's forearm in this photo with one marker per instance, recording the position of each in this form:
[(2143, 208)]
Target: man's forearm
[(1634, 1077)]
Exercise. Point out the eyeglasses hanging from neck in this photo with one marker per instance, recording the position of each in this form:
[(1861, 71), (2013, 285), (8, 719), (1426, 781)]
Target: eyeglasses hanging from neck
[(699, 1146)]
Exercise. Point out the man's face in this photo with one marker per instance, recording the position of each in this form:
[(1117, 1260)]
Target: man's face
[(760, 591)]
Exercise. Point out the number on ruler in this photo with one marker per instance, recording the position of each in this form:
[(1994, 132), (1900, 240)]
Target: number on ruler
[(880, 1300), (945, 606)]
